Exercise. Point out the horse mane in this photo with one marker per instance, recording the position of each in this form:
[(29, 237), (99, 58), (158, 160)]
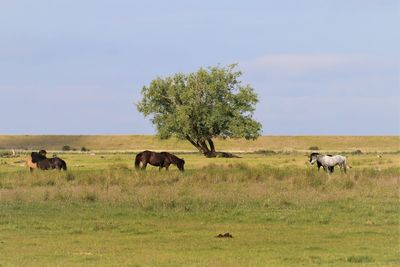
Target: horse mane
[(36, 157), (173, 158)]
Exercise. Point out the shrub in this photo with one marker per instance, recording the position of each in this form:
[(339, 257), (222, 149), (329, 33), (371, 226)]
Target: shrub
[(265, 152), (360, 259), (5, 154), (84, 149), (66, 148), (313, 148), (357, 152)]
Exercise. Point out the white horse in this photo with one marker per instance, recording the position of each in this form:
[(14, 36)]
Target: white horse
[(329, 161)]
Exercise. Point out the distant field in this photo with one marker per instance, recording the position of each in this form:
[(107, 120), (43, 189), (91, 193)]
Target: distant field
[(140, 142)]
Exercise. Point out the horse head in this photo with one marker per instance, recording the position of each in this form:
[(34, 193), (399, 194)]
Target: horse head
[(180, 164), (38, 156), (314, 157)]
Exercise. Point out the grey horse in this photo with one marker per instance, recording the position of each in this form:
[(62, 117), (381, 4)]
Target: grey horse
[(319, 165), (328, 162)]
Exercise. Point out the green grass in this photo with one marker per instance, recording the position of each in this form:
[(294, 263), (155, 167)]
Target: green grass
[(280, 210), (105, 234)]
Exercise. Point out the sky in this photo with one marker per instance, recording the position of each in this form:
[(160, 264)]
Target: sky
[(327, 67)]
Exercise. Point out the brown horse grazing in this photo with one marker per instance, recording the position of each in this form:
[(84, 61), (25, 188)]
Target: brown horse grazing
[(44, 163), (52, 163), (163, 159)]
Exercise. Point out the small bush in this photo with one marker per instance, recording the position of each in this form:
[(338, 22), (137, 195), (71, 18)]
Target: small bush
[(357, 152), (66, 148), (313, 148), (360, 259), (265, 152), (6, 154), (324, 220), (84, 149)]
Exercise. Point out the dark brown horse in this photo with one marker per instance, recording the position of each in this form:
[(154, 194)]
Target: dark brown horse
[(44, 163), (161, 160)]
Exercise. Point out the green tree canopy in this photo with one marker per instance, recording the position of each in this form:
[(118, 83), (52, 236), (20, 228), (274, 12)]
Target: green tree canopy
[(201, 106)]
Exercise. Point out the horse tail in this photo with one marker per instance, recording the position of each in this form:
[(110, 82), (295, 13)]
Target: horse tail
[(138, 159), (63, 165)]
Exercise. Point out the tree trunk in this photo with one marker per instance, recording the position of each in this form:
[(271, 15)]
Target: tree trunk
[(199, 145), (209, 152)]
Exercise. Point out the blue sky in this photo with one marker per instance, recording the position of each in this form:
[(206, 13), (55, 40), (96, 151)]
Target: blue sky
[(319, 67)]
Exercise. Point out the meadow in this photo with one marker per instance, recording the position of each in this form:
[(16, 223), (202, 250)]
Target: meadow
[(141, 142), (280, 210)]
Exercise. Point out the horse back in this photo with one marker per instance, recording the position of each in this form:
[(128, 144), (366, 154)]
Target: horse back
[(154, 158), (169, 157)]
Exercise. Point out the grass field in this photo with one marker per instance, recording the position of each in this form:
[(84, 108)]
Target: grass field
[(141, 142), (280, 210)]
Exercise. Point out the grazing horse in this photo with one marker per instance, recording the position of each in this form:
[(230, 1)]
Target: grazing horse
[(52, 163), (329, 161), (44, 163), (163, 159), (319, 165)]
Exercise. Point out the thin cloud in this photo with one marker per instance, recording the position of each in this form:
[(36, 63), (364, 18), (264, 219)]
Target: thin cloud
[(299, 64)]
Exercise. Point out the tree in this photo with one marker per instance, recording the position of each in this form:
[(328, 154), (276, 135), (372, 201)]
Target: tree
[(201, 106)]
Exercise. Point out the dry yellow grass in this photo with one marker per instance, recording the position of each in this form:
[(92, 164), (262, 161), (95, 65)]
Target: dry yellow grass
[(141, 142)]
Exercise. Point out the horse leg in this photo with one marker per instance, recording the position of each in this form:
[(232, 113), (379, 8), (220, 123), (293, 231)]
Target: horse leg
[(341, 168), (318, 165), (167, 167), (159, 168), (162, 165), (144, 165)]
